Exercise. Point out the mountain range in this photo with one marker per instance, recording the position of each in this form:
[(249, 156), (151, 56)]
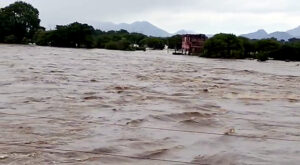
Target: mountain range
[(143, 27), (262, 34), (137, 27), (149, 29)]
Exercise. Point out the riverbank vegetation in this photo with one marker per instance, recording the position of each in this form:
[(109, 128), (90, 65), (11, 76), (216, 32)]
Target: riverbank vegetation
[(233, 47), (20, 24)]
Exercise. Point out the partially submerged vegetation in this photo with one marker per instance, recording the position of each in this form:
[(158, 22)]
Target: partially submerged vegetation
[(77, 35), (233, 47), (20, 24)]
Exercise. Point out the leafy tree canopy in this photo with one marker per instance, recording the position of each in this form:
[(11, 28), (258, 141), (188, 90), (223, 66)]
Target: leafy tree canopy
[(224, 46), (19, 22)]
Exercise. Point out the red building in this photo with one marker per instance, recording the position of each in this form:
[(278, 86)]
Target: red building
[(193, 44)]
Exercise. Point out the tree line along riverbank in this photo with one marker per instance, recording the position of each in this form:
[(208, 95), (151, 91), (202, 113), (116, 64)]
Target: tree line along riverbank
[(20, 24)]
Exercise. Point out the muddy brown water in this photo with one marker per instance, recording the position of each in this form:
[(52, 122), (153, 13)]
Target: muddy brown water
[(68, 100)]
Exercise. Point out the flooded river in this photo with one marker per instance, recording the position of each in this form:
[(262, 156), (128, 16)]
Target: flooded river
[(77, 106)]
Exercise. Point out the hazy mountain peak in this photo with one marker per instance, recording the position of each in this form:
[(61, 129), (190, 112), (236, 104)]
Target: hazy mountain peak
[(280, 35), (295, 32), (149, 29), (142, 22), (262, 31), (143, 27), (262, 34), (259, 34), (181, 32)]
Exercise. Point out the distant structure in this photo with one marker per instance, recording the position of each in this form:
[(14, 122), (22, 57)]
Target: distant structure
[(193, 44)]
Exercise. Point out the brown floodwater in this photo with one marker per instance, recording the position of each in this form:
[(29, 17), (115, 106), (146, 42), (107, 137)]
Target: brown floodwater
[(78, 106)]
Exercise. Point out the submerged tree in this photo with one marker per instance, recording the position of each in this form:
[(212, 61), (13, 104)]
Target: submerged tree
[(72, 35), (175, 42), (154, 43)]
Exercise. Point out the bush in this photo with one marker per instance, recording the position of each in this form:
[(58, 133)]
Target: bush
[(118, 45), (154, 43), (175, 42), (11, 39), (112, 45), (288, 52), (262, 56)]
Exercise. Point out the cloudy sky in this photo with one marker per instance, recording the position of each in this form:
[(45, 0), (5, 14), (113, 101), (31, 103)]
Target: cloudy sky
[(203, 16)]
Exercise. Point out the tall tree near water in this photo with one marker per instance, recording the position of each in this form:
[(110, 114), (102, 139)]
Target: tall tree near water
[(18, 22)]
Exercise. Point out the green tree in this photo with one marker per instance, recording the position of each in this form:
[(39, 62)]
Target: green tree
[(288, 52), (249, 47), (224, 46), (74, 35), (267, 45), (175, 42), (266, 48), (118, 45), (135, 38), (18, 21), (154, 43)]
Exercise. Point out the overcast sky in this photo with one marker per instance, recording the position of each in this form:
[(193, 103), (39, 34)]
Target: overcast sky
[(203, 16)]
